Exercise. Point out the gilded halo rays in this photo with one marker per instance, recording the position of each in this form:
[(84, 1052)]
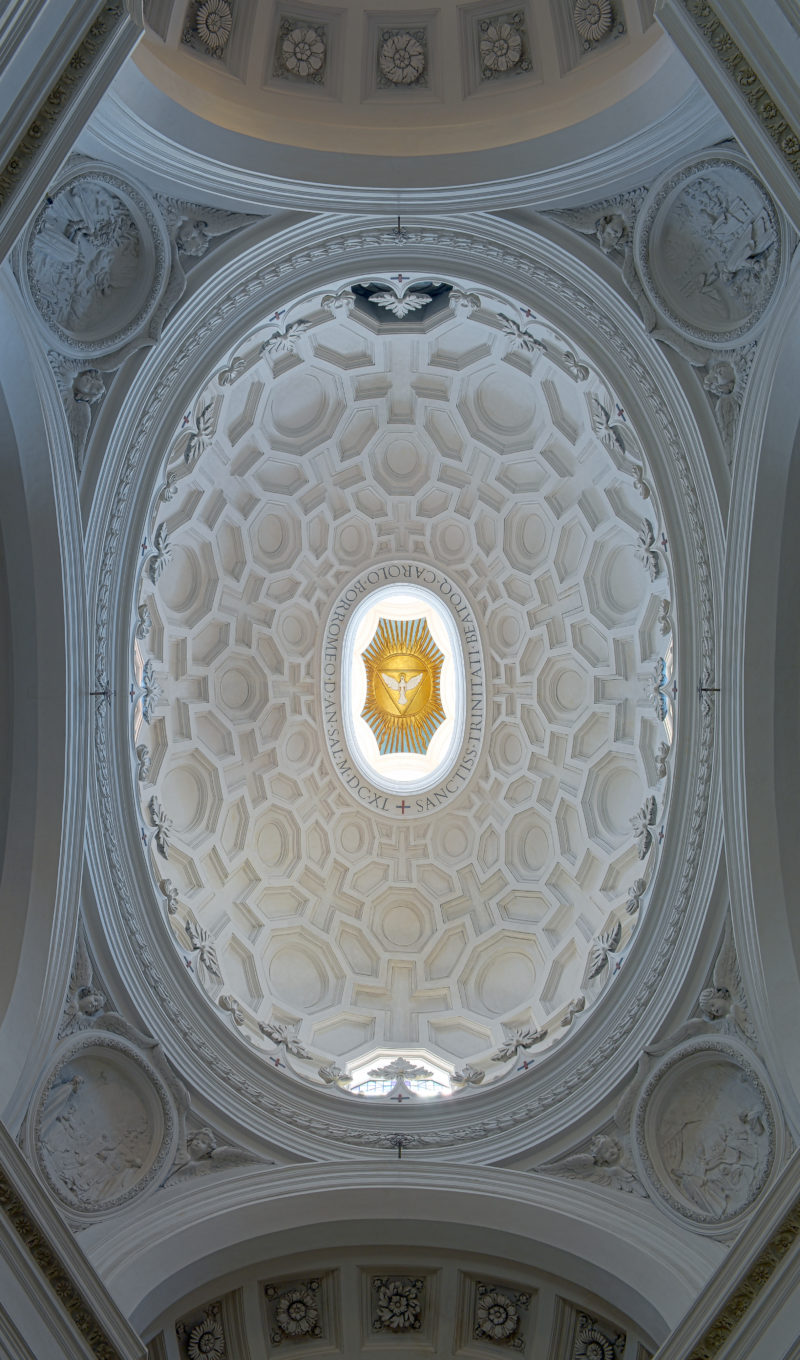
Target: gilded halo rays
[(403, 705)]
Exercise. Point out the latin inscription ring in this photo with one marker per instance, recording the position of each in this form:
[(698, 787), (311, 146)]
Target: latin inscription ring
[(387, 793)]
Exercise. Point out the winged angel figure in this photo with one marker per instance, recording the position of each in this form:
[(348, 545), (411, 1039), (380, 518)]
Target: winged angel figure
[(81, 386), (611, 223), (200, 1152), (191, 228), (401, 686), (86, 1006), (724, 1011), (723, 1005), (85, 1002), (608, 1162)]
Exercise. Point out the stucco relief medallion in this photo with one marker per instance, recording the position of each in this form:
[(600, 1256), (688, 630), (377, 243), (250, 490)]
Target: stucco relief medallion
[(709, 249), (704, 1131), (95, 260), (403, 691), (104, 1124)]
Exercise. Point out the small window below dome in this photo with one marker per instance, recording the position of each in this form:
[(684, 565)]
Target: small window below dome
[(400, 1077)]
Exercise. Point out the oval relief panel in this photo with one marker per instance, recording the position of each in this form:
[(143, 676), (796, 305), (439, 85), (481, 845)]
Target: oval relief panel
[(104, 1124), (704, 1131), (710, 248), (95, 260)]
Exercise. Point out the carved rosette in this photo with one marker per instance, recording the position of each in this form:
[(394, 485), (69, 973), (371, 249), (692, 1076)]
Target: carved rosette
[(301, 50), (503, 47), (397, 1303), (499, 1315), (209, 26), (596, 1340), (295, 1310), (402, 57), (705, 1135), (205, 1338), (593, 20)]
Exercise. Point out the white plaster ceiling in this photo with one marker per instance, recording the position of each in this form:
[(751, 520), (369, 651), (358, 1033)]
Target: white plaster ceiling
[(470, 77), (476, 440), (406, 1300)]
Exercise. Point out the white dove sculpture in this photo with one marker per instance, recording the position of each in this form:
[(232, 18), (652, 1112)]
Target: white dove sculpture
[(401, 686)]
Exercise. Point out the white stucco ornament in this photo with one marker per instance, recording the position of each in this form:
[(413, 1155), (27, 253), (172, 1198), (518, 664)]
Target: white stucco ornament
[(500, 46), (303, 52), (95, 260), (402, 58), (705, 1135), (710, 249), (593, 19), (213, 23), (429, 731)]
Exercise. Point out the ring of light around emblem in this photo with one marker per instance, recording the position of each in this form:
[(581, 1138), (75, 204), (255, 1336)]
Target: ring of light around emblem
[(403, 690)]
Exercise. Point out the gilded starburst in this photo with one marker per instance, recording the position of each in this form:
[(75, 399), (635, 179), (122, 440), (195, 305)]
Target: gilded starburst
[(403, 704)]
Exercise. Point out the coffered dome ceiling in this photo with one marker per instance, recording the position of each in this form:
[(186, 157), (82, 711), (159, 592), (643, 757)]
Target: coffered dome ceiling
[(352, 107), (309, 74), (416, 433)]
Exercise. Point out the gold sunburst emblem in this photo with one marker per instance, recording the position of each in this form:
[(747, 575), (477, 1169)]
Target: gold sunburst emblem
[(403, 705)]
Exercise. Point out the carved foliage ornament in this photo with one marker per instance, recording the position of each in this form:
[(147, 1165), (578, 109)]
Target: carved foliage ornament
[(71, 79), (400, 306), (56, 1273), (209, 26), (765, 107), (301, 50), (593, 19), (398, 1304), (401, 56), (295, 1310)]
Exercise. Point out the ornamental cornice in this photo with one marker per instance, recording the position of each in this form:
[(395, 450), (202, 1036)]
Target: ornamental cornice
[(85, 56), (298, 177), (751, 631), (306, 1198), (259, 281), (53, 1258), (55, 1271), (742, 1298), (741, 74)]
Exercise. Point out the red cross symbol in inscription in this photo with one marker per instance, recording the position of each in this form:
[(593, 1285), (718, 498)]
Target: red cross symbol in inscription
[(402, 806)]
